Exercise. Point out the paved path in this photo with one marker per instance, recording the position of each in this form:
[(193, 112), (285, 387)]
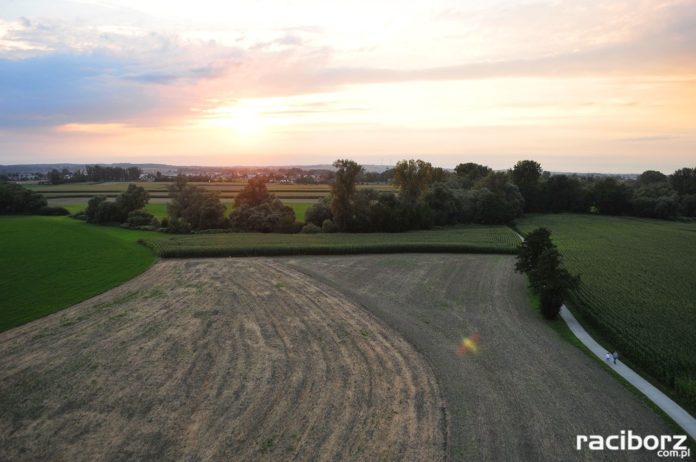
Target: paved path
[(676, 412), (672, 409)]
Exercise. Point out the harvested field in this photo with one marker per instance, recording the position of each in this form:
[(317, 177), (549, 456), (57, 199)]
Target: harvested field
[(216, 360), (527, 393), (309, 358)]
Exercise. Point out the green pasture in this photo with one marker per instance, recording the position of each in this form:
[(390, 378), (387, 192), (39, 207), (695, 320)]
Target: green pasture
[(49, 263)]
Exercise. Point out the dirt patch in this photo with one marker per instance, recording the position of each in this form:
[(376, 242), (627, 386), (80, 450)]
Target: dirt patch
[(526, 393), (242, 359)]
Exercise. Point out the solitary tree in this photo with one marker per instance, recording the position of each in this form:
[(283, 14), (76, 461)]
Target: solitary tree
[(539, 258)]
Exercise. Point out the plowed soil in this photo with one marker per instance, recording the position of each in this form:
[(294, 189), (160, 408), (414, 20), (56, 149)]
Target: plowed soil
[(526, 393)]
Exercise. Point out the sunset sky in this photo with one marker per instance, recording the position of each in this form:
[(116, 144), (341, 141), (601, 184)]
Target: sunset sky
[(577, 85)]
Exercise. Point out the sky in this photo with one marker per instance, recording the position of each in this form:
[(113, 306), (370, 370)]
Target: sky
[(579, 85)]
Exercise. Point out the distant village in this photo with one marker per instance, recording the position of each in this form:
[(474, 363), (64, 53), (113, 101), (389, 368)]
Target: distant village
[(165, 173)]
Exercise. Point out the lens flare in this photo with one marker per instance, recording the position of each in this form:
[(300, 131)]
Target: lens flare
[(468, 344)]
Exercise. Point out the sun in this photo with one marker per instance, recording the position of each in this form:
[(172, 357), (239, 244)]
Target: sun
[(244, 119)]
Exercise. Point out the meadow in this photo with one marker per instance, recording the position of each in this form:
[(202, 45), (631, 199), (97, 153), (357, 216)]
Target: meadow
[(638, 289), (460, 239), (49, 263), (158, 207)]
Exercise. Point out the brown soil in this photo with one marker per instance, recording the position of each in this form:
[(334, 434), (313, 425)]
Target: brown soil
[(527, 393)]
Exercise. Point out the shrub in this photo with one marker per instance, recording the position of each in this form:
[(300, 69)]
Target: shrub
[(53, 211), (141, 218), (165, 222), (178, 226), (328, 226), (317, 213), (310, 228), (99, 210), (269, 216)]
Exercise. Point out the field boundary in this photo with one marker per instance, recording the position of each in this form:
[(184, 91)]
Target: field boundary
[(284, 250), (677, 413)]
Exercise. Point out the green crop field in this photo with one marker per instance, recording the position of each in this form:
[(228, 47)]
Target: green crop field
[(49, 263), (638, 289), (483, 239)]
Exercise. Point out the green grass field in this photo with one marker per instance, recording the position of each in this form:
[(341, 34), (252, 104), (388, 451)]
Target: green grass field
[(638, 289), (483, 239), (159, 209), (49, 263)]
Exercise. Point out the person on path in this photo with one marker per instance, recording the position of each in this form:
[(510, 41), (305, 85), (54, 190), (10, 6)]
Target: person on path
[(615, 356), (607, 357)]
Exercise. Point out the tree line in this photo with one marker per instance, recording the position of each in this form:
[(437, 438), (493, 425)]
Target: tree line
[(428, 196), (94, 173), (17, 200)]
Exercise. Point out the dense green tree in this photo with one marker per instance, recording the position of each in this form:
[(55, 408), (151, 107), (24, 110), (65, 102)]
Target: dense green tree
[(270, 216), (684, 181), (194, 207), (134, 198), (651, 177), (413, 177), (449, 206), (15, 199), (611, 197), (552, 281), (472, 172), (343, 191), (526, 174), (529, 251), (539, 258), (253, 193), (561, 193)]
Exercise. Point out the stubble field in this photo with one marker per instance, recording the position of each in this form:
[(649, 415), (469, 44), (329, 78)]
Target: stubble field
[(308, 358)]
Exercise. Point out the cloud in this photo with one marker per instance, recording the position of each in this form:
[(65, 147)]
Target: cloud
[(115, 66), (648, 139)]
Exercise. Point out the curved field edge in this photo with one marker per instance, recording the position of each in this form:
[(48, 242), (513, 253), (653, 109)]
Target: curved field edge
[(468, 239), (216, 360), (50, 263), (636, 294)]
